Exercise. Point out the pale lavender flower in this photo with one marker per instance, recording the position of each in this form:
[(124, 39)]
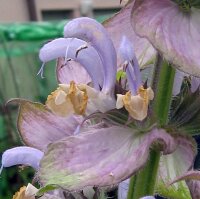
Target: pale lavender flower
[(130, 62), (22, 156), (101, 65), (135, 101)]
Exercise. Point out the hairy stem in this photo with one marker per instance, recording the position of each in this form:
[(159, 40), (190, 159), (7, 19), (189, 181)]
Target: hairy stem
[(143, 183), (163, 93)]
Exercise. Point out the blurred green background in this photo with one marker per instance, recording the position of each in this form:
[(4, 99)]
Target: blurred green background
[(19, 64)]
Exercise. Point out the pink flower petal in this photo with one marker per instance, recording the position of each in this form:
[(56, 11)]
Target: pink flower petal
[(120, 25), (174, 33), (38, 126), (101, 157), (71, 71)]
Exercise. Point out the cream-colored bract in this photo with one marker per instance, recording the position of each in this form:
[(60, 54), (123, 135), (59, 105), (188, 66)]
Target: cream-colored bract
[(137, 105), (79, 99)]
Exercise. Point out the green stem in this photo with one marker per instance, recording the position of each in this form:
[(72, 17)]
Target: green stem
[(143, 183), (163, 87)]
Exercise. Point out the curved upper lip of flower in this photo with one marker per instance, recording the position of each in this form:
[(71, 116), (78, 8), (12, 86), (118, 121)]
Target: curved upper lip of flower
[(132, 66), (98, 55)]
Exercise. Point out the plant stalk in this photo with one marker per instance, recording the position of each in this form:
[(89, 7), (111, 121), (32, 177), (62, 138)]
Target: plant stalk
[(143, 183)]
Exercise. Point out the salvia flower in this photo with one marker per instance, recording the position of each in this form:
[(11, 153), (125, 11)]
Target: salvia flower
[(136, 100), (59, 118), (100, 64)]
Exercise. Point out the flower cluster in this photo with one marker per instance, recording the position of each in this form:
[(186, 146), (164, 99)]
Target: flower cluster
[(96, 130)]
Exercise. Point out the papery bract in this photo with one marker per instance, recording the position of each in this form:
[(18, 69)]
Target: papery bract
[(116, 155), (38, 126), (173, 32)]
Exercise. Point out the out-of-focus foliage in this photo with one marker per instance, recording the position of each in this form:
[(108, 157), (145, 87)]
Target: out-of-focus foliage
[(19, 64)]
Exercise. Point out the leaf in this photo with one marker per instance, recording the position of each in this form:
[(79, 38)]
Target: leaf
[(121, 74), (46, 189), (185, 110)]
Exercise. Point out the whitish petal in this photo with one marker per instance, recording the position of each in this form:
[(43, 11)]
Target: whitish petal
[(66, 47), (100, 157), (178, 82), (38, 126), (123, 189), (119, 25), (71, 71), (22, 156), (98, 101), (95, 34), (29, 193), (195, 83), (30, 190), (170, 30)]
